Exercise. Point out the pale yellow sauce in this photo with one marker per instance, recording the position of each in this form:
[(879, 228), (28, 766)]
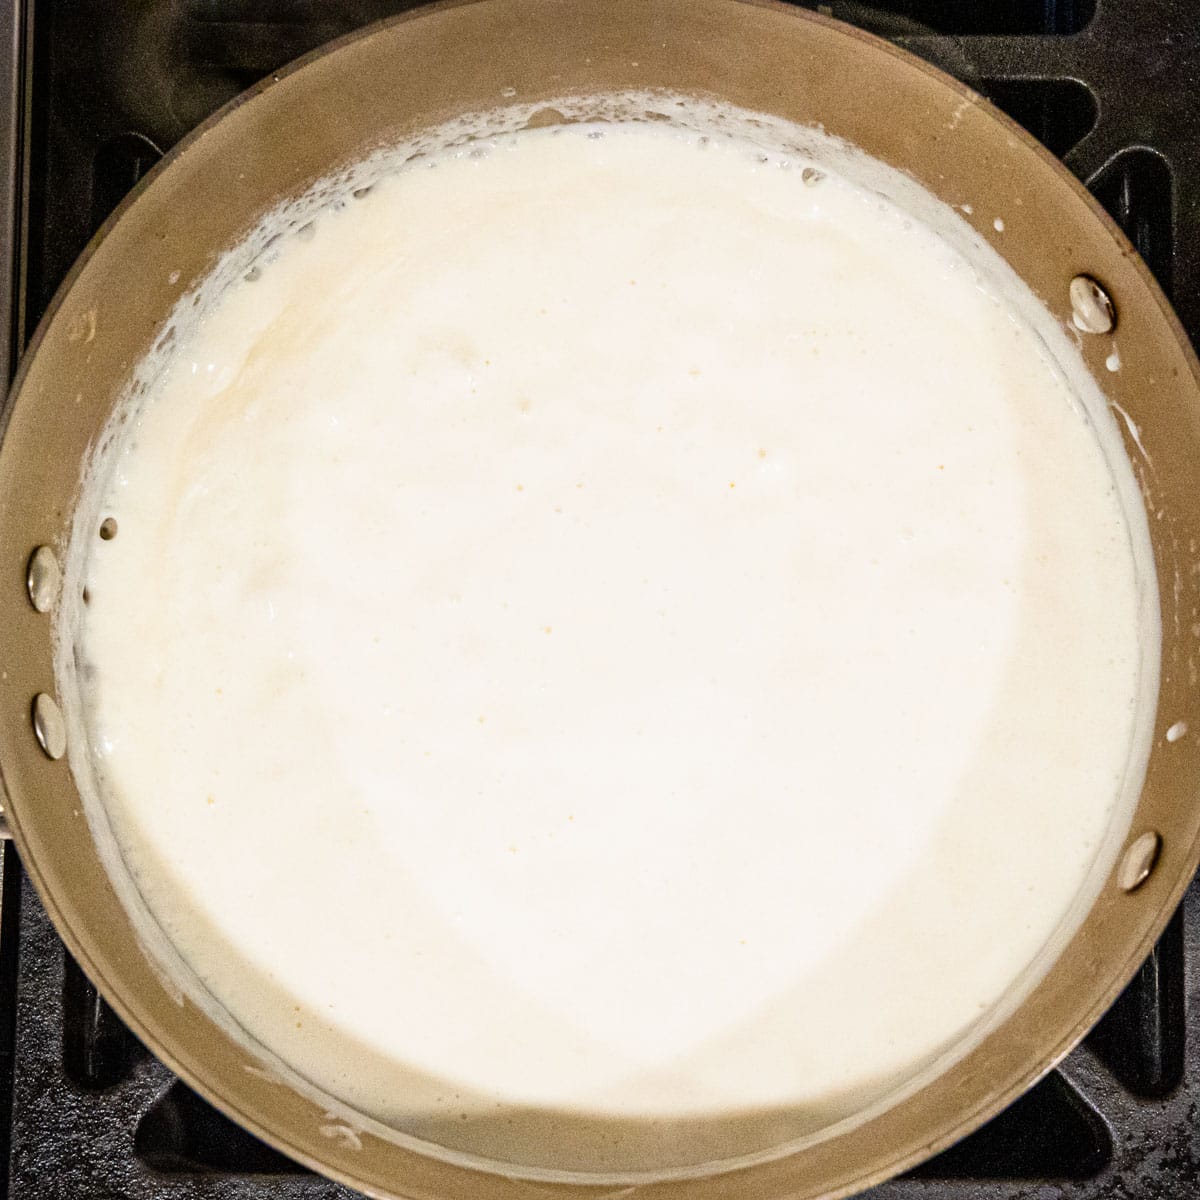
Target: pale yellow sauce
[(608, 626)]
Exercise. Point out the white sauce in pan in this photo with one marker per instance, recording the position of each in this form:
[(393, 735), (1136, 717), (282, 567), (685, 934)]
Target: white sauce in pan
[(613, 626)]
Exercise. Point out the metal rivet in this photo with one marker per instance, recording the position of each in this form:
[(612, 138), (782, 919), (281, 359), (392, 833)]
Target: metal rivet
[(49, 726), (1138, 861), (43, 578), (108, 528), (1091, 308)]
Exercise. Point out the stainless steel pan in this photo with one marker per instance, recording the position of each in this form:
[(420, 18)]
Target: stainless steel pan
[(432, 64)]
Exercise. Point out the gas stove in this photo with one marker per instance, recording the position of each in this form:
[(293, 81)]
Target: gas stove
[(96, 92)]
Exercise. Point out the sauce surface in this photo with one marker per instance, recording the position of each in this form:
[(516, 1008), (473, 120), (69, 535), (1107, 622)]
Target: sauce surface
[(616, 623)]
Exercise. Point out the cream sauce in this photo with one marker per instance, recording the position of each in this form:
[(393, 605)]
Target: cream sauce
[(614, 625)]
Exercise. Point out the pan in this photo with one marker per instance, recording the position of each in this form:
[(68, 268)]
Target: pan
[(376, 89)]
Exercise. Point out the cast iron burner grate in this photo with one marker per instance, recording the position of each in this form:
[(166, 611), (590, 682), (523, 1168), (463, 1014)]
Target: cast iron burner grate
[(99, 91)]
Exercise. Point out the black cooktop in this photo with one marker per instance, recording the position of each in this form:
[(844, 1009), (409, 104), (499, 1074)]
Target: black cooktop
[(92, 92)]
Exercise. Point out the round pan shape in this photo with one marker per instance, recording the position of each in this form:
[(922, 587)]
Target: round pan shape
[(428, 66)]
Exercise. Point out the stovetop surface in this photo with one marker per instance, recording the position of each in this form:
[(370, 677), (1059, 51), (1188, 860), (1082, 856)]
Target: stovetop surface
[(99, 91)]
